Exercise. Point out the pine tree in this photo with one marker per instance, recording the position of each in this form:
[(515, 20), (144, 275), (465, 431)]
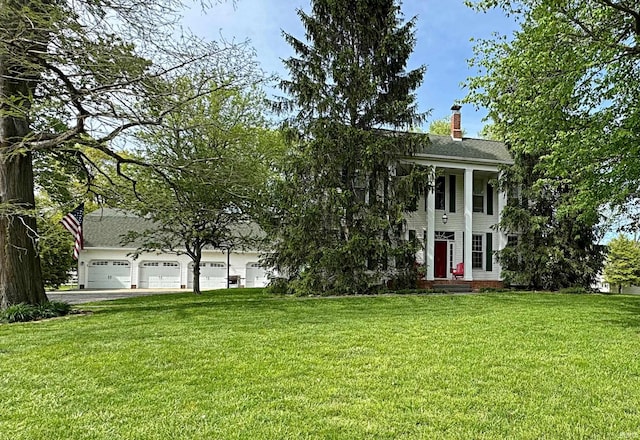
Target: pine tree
[(339, 226)]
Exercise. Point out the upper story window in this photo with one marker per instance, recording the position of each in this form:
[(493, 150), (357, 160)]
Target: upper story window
[(478, 195), (440, 192)]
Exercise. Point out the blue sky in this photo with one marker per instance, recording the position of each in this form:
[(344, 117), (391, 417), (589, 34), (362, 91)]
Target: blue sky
[(444, 31)]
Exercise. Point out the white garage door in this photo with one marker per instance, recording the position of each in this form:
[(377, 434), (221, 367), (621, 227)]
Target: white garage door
[(159, 274), (109, 274), (213, 275), (256, 275)]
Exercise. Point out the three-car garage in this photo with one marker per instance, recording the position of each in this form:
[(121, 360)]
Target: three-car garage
[(168, 274)]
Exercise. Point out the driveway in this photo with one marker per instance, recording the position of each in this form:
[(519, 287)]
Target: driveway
[(85, 296)]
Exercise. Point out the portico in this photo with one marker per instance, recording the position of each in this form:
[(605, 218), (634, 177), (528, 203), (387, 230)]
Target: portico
[(459, 211)]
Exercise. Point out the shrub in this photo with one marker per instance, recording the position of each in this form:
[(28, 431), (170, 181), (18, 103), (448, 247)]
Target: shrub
[(26, 312), (19, 313), (53, 309)]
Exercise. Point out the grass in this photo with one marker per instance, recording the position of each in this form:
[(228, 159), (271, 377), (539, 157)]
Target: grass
[(244, 365)]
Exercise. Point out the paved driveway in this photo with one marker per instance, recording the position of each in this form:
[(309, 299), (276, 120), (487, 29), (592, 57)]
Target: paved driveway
[(85, 296)]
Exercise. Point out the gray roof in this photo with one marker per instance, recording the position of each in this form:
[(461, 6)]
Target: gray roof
[(104, 228), (468, 149)]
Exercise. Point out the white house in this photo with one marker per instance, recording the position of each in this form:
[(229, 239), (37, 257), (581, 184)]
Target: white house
[(456, 218), (105, 264), (455, 221)]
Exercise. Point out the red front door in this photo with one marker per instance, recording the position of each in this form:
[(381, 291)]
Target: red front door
[(440, 260)]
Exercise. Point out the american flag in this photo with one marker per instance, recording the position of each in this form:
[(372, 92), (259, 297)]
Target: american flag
[(73, 222)]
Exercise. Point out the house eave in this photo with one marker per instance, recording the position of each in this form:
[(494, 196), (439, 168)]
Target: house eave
[(462, 160)]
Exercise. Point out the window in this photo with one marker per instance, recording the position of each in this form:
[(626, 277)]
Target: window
[(440, 193), (478, 195), (445, 235), (513, 195), (476, 251), (512, 240)]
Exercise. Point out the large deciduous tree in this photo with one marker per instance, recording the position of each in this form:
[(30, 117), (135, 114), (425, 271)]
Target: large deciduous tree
[(338, 226), (623, 263), (212, 163), (77, 75), (559, 94)]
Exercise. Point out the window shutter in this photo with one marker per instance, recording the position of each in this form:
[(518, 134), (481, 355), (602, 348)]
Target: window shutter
[(452, 193), (489, 253), (489, 199)]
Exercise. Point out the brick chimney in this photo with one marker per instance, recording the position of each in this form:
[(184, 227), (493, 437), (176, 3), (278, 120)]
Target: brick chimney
[(456, 130)]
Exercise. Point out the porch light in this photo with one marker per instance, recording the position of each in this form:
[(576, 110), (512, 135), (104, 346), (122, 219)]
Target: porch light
[(445, 219)]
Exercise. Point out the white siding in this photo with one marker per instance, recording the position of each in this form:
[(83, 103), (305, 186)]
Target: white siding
[(482, 223), (237, 267)]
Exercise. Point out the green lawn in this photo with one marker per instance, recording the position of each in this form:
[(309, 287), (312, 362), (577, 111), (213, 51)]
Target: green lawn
[(241, 364)]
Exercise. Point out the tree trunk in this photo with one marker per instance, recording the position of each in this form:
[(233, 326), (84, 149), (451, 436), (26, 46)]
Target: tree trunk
[(20, 275), (197, 257)]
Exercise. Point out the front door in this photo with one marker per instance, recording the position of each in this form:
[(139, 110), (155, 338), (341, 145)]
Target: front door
[(440, 260)]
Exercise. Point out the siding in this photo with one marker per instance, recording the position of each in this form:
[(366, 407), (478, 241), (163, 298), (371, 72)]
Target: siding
[(237, 266), (482, 223)]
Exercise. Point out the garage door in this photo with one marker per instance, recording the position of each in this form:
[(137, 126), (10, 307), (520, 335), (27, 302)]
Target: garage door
[(109, 274), (256, 275), (213, 275), (159, 274)]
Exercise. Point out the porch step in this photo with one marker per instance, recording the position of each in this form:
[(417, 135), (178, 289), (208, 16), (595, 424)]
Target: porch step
[(453, 288)]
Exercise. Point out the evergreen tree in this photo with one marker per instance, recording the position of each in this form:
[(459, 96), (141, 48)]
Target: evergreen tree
[(623, 263), (338, 225)]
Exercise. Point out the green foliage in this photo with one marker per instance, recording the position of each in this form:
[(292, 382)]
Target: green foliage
[(545, 90), (622, 267), (565, 89), (77, 79), (336, 225), (55, 246), (442, 127), (491, 132), (209, 169), (28, 312), (19, 313)]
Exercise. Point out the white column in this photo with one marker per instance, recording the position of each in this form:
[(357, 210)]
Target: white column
[(135, 271), (82, 271), (468, 222), (431, 223), (502, 202)]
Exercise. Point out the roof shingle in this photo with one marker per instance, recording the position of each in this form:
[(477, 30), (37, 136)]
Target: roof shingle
[(470, 149)]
